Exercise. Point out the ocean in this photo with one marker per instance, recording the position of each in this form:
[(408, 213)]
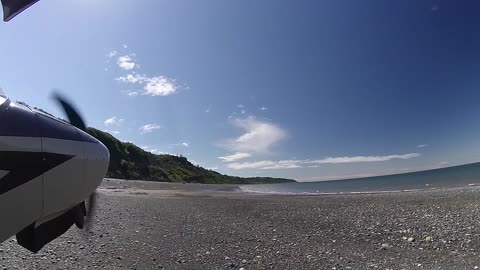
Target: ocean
[(456, 176)]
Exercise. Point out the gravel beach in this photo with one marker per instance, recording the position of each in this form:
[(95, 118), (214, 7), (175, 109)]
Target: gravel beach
[(145, 225)]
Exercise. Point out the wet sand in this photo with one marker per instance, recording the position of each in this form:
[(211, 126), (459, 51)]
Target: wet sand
[(145, 225)]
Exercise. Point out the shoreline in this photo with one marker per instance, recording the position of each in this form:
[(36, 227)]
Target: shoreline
[(187, 226), (110, 185)]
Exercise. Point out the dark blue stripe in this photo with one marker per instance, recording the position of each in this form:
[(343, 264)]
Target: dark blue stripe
[(23, 167)]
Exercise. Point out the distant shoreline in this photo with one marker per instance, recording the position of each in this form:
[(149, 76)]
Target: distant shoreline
[(111, 185), (149, 225)]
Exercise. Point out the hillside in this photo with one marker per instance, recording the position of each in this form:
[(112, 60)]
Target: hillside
[(128, 161)]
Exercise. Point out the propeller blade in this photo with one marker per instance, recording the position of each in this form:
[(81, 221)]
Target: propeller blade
[(72, 114), (91, 210)]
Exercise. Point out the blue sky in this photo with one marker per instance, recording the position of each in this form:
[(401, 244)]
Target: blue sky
[(310, 90)]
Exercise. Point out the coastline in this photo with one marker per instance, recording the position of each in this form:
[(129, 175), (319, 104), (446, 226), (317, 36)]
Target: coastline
[(195, 226)]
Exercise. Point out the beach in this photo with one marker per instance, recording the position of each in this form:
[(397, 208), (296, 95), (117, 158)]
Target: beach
[(148, 225)]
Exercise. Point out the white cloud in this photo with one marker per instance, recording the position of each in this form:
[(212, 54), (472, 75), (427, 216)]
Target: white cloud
[(125, 62), (113, 121), (291, 164), (422, 145), (153, 86), (159, 86), (153, 150), (209, 108), (263, 108), (185, 144), (125, 46), (267, 164), (115, 132), (259, 136), (243, 112), (235, 157), (240, 106), (132, 78), (357, 159), (133, 93), (157, 152), (148, 128), (112, 54)]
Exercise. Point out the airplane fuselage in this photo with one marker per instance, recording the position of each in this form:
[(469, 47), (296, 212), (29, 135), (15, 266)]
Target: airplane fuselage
[(47, 167)]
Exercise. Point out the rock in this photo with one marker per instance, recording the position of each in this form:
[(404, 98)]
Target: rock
[(411, 239), (428, 238), (385, 246)]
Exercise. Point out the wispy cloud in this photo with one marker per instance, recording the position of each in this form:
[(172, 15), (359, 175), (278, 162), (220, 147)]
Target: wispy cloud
[(153, 86), (185, 144), (422, 145), (150, 85), (357, 159), (338, 177), (112, 54), (113, 121), (263, 108), (240, 106), (291, 164), (259, 136), (126, 62), (159, 86), (148, 128), (115, 132), (235, 157), (153, 150), (267, 164), (208, 109)]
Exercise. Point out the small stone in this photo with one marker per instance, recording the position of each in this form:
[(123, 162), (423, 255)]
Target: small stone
[(411, 239), (385, 246), (244, 261), (428, 238)]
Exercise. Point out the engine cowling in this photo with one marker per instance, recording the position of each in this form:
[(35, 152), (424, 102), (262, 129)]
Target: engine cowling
[(48, 168)]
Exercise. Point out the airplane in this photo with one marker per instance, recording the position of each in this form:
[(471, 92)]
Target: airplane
[(49, 168)]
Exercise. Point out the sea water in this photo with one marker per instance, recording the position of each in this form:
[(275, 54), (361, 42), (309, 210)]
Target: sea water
[(457, 176)]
